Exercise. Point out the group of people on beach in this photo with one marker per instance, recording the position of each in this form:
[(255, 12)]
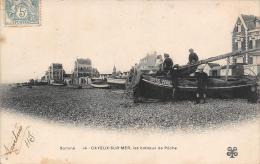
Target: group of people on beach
[(166, 65)]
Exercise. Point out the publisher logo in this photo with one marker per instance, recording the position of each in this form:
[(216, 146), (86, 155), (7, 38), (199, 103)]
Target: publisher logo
[(232, 152)]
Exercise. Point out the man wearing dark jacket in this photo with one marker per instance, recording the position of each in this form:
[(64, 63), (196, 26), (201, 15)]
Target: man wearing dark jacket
[(202, 85), (167, 63), (193, 57)]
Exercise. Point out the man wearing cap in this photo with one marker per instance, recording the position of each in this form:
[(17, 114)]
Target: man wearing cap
[(193, 57), (167, 63), (202, 83)]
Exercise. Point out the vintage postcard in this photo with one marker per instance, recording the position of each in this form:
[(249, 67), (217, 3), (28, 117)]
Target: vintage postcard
[(129, 82)]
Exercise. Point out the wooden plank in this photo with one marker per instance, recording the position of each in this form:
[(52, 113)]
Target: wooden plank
[(219, 57)]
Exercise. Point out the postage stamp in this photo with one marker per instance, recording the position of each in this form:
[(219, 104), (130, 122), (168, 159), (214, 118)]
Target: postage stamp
[(22, 12)]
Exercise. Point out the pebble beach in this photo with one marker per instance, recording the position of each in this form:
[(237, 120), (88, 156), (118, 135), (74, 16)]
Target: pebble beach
[(114, 109)]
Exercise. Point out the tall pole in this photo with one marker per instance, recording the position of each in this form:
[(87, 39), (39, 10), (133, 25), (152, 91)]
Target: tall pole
[(227, 69), (52, 72), (62, 74), (77, 70)]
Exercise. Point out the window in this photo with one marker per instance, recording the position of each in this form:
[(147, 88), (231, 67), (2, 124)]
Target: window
[(214, 73), (257, 43), (238, 28), (234, 61), (239, 45), (235, 46), (250, 60), (244, 59), (250, 44)]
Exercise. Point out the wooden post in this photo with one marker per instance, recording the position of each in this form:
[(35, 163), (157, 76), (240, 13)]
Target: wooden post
[(227, 68), (62, 75), (77, 71), (52, 71)]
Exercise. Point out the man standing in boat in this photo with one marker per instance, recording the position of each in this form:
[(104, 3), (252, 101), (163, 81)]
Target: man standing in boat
[(167, 63), (202, 85), (193, 57)]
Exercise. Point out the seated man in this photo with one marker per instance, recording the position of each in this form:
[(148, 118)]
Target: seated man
[(193, 57), (167, 63)]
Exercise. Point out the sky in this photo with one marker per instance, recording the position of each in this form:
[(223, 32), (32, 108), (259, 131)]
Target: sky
[(117, 33)]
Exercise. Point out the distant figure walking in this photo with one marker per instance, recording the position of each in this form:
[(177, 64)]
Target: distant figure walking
[(193, 57), (202, 85), (167, 63)]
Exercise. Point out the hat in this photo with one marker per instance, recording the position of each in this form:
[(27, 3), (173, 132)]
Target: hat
[(166, 55)]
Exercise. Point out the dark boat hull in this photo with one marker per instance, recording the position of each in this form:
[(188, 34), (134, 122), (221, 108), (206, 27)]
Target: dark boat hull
[(162, 88), (152, 89), (100, 83)]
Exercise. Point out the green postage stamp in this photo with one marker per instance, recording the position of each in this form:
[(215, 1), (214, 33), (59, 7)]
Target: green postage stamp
[(22, 12)]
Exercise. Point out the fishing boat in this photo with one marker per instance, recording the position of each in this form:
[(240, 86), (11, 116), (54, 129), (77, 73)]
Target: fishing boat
[(57, 84), (180, 85), (162, 88), (100, 83), (100, 86), (88, 86), (117, 83), (98, 80)]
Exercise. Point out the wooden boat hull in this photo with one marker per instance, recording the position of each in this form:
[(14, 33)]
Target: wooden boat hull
[(162, 88), (101, 86), (79, 86), (58, 84), (97, 80), (100, 83), (149, 89), (117, 83)]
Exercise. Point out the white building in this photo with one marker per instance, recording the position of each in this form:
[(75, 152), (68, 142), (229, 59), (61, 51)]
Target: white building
[(82, 71), (208, 67), (246, 36), (55, 73), (148, 63), (233, 70)]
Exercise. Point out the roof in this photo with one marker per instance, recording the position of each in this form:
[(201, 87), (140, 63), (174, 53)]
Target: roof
[(250, 21), (57, 65), (211, 65), (232, 66), (84, 61), (67, 75), (216, 68)]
